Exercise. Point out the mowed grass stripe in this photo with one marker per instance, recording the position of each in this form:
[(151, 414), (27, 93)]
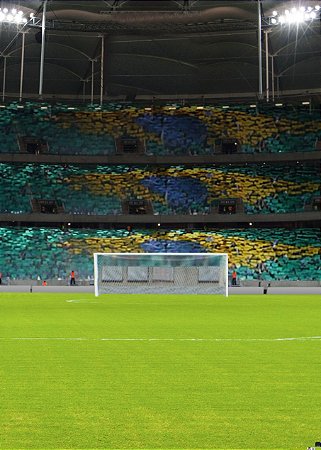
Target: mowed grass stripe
[(88, 394)]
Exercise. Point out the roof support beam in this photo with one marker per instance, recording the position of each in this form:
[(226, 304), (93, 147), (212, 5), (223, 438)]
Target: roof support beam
[(43, 39), (115, 4)]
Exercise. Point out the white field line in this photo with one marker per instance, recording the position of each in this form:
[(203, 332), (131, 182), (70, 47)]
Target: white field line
[(302, 338), (80, 300)]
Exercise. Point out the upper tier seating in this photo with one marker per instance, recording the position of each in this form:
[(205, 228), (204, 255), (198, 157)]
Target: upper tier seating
[(268, 254), (100, 190), (164, 130)]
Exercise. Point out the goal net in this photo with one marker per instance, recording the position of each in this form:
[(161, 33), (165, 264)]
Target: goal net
[(161, 273)]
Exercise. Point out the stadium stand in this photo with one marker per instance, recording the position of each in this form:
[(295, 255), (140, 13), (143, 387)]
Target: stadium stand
[(101, 190), (167, 130), (267, 254)]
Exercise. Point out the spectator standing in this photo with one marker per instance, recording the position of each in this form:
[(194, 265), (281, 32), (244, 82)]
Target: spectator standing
[(234, 277), (72, 278)]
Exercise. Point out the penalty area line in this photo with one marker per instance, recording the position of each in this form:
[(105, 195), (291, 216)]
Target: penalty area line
[(301, 338)]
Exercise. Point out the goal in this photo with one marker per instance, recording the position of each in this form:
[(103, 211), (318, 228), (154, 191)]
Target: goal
[(161, 273)]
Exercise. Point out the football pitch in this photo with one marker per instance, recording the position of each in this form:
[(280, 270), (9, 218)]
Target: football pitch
[(159, 371)]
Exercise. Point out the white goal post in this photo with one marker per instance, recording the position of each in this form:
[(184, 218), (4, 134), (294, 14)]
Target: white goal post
[(161, 273)]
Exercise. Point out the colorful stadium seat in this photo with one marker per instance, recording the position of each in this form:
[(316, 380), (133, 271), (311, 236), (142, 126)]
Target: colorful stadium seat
[(172, 190), (166, 130)]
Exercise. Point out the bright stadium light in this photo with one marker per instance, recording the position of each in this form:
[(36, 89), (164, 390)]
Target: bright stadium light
[(12, 16), (295, 16)]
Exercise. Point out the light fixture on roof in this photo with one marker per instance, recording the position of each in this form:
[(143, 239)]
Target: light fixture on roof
[(295, 16), (12, 16)]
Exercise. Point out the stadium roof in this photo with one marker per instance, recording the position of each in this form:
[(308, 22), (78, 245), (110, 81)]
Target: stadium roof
[(160, 48)]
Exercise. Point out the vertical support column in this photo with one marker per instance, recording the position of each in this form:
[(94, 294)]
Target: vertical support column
[(92, 81), (102, 61), (83, 90), (273, 81), (43, 43), (22, 64), (4, 78), (259, 33), (266, 32)]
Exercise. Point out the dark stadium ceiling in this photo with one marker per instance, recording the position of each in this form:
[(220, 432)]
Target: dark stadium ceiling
[(174, 49)]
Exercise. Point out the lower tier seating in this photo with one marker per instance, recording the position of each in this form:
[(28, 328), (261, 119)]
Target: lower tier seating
[(268, 254)]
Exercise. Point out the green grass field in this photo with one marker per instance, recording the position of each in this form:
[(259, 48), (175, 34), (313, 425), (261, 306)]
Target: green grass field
[(154, 387)]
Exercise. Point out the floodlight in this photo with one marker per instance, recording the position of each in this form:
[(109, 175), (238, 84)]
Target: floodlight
[(296, 15), (14, 16)]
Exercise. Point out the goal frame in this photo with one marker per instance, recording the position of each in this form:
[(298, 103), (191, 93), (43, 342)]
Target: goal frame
[(96, 255)]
